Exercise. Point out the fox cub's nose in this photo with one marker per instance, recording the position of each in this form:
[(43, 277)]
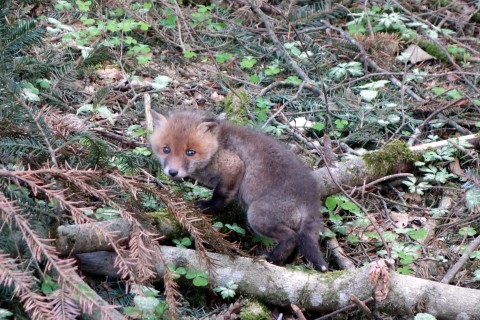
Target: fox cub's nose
[(172, 172)]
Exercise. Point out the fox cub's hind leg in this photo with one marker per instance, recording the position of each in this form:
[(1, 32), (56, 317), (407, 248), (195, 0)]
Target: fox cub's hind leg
[(259, 218), (265, 221), (309, 246)]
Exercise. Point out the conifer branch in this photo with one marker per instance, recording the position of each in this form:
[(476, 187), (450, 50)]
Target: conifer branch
[(61, 305)]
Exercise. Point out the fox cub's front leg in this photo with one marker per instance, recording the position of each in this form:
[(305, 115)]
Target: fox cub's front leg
[(230, 169)]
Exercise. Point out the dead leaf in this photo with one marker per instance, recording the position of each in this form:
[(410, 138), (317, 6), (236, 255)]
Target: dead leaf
[(379, 277), (414, 54), (400, 219), (216, 97), (455, 168), (89, 89), (110, 73)]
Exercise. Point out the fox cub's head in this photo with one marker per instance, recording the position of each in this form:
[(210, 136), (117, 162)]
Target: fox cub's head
[(184, 141)]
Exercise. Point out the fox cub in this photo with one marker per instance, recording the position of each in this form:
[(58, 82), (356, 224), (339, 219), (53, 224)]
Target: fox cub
[(278, 191)]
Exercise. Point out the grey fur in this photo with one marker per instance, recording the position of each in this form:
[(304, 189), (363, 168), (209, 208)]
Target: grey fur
[(278, 191)]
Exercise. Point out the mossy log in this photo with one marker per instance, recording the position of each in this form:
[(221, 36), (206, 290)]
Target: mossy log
[(325, 292), (395, 157)]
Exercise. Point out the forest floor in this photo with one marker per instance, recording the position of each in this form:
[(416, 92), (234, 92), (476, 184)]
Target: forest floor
[(332, 80)]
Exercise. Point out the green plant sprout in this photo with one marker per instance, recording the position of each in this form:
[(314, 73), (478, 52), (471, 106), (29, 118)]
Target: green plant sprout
[(228, 291)]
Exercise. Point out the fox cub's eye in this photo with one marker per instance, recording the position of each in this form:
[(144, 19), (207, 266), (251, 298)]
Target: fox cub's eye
[(190, 152), (166, 150)]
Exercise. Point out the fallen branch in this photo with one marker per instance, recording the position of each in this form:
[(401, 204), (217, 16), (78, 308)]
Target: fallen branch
[(318, 292), (461, 262), (74, 239)]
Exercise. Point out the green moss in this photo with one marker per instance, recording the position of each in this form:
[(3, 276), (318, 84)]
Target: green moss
[(389, 158), (254, 310), (236, 105), (476, 17), (457, 52), (167, 223), (434, 50), (442, 3)]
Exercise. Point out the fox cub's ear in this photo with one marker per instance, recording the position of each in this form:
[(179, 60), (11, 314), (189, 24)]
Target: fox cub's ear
[(205, 127), (159, 120)]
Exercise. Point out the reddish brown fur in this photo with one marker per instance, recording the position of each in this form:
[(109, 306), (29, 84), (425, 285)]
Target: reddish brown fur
[(279, 192)]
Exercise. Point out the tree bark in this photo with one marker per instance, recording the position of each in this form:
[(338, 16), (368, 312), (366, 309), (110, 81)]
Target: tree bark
[(74, 239), (326, 292)]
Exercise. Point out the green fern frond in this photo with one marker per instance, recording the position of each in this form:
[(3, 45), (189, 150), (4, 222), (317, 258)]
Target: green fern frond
[(64, 72), (15, 193), (98, 55), (130, 163), (312, 14), (21, 147), (98, 151), (30, 66), (22, 34)]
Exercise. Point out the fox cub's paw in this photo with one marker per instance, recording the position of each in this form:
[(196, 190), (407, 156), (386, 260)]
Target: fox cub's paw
[(204, 206)]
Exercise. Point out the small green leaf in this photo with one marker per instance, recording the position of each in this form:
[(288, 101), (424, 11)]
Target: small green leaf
[(87, 21), (254, 78), (404, 270), (389, 236), (273, 69), (472, 197), (30, 95), (200, 282), (142, 60), (351, 207), (146, 304), (189, 54), (374, 85), (236, 228), (106, 113), (437, 90), (143, 26), (319, 126), (217, 225), (248, 62), (340, 123), (331, 203), (356, 28), (48, 285), (335, 218), (418, 234), (85, 108), (467, 231), (221, 57), (293, 79), (368, 95), (265, 241), (161, 82), (454, 94), (475, 255), (353, 239)]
